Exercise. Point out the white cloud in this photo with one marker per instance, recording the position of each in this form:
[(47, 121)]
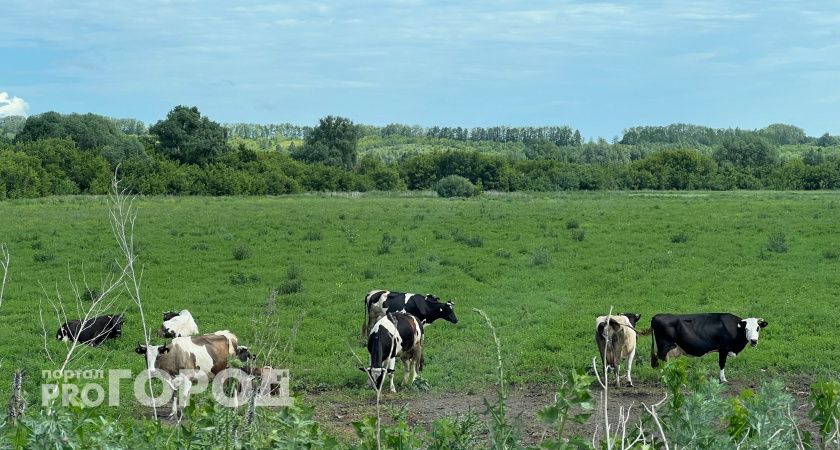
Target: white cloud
[(12, 106)]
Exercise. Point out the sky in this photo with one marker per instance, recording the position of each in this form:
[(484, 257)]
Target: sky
[(600, 67)]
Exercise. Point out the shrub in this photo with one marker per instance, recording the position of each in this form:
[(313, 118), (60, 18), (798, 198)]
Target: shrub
[(312, 235), (290, 286), (455, 186), (777, 242), (572, 224), (679, 238), (369, 274), (540, 257), (43, 257), (831, 254), (579, 234), (201, 246), (470, 241), (502, 253), (293, 272), (423, 267), (241, 252), (388, 241)]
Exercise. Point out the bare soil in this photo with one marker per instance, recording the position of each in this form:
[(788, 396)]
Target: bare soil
[(337, 411)]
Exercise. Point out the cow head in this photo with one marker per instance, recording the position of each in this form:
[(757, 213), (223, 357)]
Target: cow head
[(63, 333), (632, 317), (169, 314), (166, 332), (751, 326), (447, 311), (151, 352), (244, 354), (376, 375)]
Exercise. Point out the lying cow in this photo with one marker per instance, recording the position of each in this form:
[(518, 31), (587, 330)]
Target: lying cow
[(186, 359), (426, 308), (699, 334), (394, 335), (617, 342), (94, 331), (178, 325)]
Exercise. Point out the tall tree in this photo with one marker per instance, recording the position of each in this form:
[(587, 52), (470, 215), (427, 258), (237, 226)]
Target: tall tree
[(332, 142), (187, 137)]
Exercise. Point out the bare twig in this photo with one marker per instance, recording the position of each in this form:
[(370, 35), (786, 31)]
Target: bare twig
[(653, 414), (4, 263)]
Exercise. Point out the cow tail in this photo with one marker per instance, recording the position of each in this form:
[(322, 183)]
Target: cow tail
[(654, 360), (647, 332)]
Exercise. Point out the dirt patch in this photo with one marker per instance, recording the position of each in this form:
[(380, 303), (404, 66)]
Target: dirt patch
[(336, 411)]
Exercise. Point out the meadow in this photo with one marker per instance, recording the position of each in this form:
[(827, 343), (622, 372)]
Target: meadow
[(541, 266)]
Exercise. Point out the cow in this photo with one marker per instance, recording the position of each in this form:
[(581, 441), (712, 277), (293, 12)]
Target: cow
[(247, 358), (427, 308), (699, 334), (185, 359), (94, 331), (178, 325), (617, 342), (392, 336)]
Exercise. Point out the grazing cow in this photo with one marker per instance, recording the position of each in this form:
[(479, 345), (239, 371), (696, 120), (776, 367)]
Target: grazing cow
[(617, 342), (394, 335), (698, 334), (186, 359), (427, 308), (94, 331), (178, 325), (244, 354)]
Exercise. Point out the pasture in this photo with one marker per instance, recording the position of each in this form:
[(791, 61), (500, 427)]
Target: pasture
[(541, 266)]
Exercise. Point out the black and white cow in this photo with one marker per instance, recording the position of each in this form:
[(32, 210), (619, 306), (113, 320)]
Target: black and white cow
[(426, 308), (616, 339), (699, 334), (395, 335), (94, 331), (187, 358), (178, 325)]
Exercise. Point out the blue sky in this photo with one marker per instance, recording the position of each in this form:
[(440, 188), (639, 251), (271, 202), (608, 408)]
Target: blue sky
[(597, 66)]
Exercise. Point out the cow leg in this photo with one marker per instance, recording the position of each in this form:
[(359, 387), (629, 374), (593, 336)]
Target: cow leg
[(618, 375), (722, 363), (630, 367), (391, 368)]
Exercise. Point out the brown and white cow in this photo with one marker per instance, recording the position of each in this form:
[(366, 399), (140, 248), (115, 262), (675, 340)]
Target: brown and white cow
[(186, 359), (394, 335), (616, 339)]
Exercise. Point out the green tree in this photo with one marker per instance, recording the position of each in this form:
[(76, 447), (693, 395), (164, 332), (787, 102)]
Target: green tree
[(187, 137), (333, 142), (747, 151)]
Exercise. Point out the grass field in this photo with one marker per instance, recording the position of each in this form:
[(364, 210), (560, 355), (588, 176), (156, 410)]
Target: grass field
[(542, 267)]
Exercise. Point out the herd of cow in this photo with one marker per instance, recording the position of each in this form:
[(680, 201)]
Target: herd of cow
[(394, 323), (187, 357), (394, 327)]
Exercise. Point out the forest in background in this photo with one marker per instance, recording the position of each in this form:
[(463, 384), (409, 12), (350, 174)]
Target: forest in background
[(189, 154)]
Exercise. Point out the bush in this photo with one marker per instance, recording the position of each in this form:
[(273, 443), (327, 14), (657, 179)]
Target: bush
[(579, 234), (469, 241), (831, 254), (679, 238), (241, 252), (455, 186), (43, 257), (290, 286), (540, 257), (312, 235), (369, 274), (572, 224), (777, 243), (387, 242)]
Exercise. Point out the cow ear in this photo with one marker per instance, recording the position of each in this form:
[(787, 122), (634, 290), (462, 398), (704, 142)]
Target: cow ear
[(762, 323), (363, 369), (141, 350), (741, 324), (163, 350)]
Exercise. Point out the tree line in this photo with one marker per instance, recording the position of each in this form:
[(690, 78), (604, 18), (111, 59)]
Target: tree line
[(187, 153)]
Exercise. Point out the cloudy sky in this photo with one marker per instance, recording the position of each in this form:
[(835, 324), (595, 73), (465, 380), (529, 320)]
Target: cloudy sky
[(597, 66)]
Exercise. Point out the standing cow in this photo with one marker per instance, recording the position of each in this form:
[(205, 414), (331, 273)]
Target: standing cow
[(93, 332), (699, 334), (185, 359), (616, 339), (426, 308), (394, 335)]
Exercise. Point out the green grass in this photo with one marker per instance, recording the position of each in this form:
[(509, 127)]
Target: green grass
[(540, 285)]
